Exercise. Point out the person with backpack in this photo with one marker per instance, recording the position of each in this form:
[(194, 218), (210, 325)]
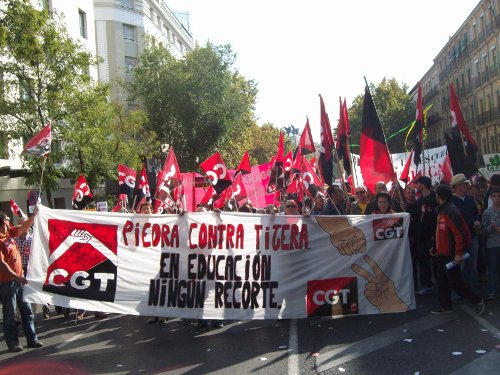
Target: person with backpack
[(452, 238)]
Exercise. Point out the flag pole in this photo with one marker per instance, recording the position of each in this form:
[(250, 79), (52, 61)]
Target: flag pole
[(386, 145), (41, 180)]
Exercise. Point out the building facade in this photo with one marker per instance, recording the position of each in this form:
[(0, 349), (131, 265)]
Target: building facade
[(121, 27), (115, 30), (470, 61)]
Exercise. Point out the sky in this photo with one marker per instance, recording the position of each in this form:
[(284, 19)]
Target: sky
[(295, 50)]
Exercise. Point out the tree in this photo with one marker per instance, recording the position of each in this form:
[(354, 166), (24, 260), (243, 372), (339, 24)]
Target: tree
[(46, 76), (395, 110), (196, 103)]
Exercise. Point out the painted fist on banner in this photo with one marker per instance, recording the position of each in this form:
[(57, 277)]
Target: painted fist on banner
[(380, 291), (348, 239)]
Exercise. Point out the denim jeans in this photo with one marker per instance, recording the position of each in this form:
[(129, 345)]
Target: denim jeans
[(12, 294), (493, 254), (470, 266)]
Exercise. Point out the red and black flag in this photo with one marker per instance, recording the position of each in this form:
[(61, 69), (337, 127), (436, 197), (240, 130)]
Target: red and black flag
[(216, 170), (310, 180), (82, 195), (169, 179), (343, 136), (325, 152), (142, 188), (277, 181), (16, 210), (462, 147), (419, 127), (287, 167), (306, 143), (126, 181), (208, 198), (244, 167), (297, 163), (238, 191), (374, 158), (39, 145), (405, 175)]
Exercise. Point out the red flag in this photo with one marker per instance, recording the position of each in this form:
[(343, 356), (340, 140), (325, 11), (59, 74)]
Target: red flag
[(216, 170), (39, 145), (276, 181), (121, 204), (343, 134), (405, 175), (208, 197), (16, 210), (238, 191), (159, 207), (458, 119), (419, 126), (287, 167), (297, 163), (375, 161), (169, 178), (310, 179), (82, 195), (142, 188), (306, 143), (325, 155), (126, 180), (446, 171), (244, 167)]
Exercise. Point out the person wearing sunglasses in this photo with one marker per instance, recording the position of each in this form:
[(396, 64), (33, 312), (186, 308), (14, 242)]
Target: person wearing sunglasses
[(291, 207), (359, 205)]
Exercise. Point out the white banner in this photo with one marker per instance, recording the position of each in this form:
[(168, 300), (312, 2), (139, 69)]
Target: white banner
[(221, 266), (434, 161), (492, 164)]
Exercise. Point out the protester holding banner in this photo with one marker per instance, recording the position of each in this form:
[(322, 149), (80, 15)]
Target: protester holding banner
[(384, 203), (381, 186), (359, 205), (426, 228), (336, 204), (452, 240), (291, 207), (12, 286)]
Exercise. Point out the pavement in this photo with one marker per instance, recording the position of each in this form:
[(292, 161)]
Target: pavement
[(414, 342)]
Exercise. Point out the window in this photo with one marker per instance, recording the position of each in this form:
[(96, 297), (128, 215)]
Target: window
[(127, 4), (24, 91), (4, 143), (130, 63), (82, 17), (129, 33)]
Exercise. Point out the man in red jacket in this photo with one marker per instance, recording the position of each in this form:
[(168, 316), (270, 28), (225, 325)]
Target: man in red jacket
[(12, 285), (452, 237)]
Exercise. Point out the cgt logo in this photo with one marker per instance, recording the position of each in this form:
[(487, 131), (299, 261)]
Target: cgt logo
[(82, 260), (329, 297), (386, 229)]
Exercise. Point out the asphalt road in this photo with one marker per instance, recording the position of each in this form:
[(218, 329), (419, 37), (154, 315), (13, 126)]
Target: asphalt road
[(407, 343)]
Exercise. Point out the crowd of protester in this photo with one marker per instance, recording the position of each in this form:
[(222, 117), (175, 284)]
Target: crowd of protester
[(446, 223)]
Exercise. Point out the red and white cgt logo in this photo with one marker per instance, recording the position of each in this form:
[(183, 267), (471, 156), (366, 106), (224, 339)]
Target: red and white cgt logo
[(329, 297), (82, 260)]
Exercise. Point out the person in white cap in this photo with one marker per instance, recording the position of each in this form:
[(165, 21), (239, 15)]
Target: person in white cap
[(468, 208)]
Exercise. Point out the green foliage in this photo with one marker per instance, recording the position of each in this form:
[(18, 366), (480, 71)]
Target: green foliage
[(198, 104), (46, 78), (394, 107)]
